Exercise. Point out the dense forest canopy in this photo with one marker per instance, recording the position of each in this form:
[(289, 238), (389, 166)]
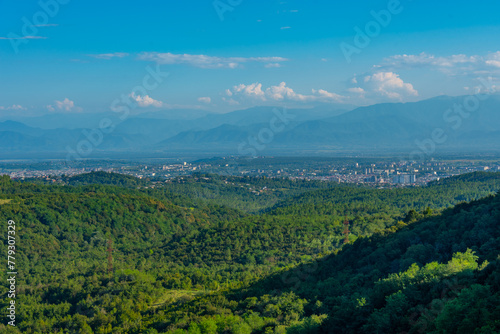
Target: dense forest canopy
[(219, 254)]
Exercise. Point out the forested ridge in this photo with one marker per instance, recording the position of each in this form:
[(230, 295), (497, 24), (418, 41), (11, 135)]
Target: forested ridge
[(184, 261)]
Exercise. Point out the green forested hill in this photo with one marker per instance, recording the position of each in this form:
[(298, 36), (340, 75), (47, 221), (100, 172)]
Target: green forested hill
[(105, 179), (437, 275), (181, 262), (249, 194), (437, 194)]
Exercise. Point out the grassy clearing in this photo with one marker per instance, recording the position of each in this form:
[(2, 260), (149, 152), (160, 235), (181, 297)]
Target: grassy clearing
[(173, 296)]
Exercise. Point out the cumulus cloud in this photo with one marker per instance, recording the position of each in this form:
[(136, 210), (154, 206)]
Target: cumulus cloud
[(204, 61), (110, 55), (390, 85), (13, 107), (280, 92), (206, 100), (253, 90), (146, 101), (64, 105)]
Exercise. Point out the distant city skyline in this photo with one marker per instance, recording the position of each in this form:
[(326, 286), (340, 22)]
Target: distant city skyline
[(77, 57)]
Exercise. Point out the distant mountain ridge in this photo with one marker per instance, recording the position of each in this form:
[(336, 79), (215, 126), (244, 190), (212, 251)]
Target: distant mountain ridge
[(381, 126), (384, 126)]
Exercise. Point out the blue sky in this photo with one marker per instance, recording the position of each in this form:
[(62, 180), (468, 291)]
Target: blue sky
[(80, 56)]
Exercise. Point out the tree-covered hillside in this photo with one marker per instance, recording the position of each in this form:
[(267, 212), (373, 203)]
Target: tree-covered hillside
[(190, 263), (440, 274), (249, 194)]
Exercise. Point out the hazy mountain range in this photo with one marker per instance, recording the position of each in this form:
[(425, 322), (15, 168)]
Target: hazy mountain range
[(448, 123)]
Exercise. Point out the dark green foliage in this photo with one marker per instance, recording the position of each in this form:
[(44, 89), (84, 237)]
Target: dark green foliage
[(249, 194), (105, 179), (191, 265)]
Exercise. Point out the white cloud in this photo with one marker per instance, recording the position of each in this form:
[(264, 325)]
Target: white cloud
[(230, 101), (206, 100), (253, 90), (451, 65), (487, 85), (323, 94), (110, 55), (285, 28), (272, 65), (495, 63), (146, 101), (64, 105), (13, 107), (204, 61), (390, 85), (280, 92), (24, 37), (357, 90), (493, 59), (424, 59), (46, 25)]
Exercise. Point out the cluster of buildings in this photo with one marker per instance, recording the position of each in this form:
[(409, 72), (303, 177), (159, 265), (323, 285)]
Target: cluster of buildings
[(404, 179), (396, 179), (339, 170), (48, 173)]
